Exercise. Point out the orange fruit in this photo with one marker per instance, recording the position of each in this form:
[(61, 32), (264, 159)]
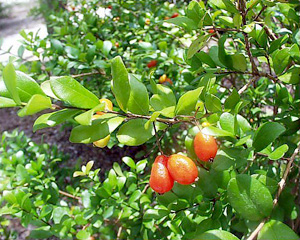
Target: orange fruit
[(182, 169), (162, 78), (108, 105), (211, 31), (160, 178), (147, 21), (205, 147)]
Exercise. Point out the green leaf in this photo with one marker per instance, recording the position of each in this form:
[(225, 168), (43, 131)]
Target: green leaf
[(239, 62), (197, 45), (187, 102), (250, 198), (270, 183), (292, 76), (120, 82), (10, 197), (129, 162), (36, 104), (266, 134), (86, 117), (207, 183), (226, 5), (107, 46), (195, 12), (164, 101), (99, 129), (138, 101), (22, 174), (7, 102), (276, 230), (216, 234), (10, 81), (213, 103), (217, 132), (227, 122), (183, 22), (72, 92), (83, 235), (54, 118), (135, 132), (223, 56), (41, 233), (232, 100), (281, 59), (243, 123), (279, 152)]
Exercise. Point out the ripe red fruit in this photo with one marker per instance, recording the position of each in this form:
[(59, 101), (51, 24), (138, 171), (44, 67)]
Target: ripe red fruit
[(160, 178), (152, 63), (211, 31), (182, 169), (109, 6), (205, 146), (175, 15)]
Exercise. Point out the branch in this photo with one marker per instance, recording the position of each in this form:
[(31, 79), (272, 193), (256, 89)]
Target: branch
[(69, 195), (87, 74), (281, 186)]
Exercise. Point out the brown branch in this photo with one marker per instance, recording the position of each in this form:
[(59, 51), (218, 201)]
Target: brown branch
[(261, 11), (281, 186), (69, 195), (157, 139), (245, 87)]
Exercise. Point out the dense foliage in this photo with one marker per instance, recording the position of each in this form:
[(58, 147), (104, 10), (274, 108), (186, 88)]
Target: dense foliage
[(238, 80)]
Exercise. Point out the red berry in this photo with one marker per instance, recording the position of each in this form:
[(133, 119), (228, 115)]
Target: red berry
[(211, 31), (205, 147), (152, 63), (160, 178), (175, 15), (182, 169)]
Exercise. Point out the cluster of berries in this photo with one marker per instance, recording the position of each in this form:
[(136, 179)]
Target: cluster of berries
[(180, 168)]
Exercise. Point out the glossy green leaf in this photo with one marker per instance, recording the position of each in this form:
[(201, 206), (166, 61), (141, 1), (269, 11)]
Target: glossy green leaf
[(120, 82), (54, 118), (134, 132), (232, 100), (279, 152), (187, 102), (292, 76), (7, 102), (243, 123), (281, 59), (226, 5), (107, 46), (164, 101), (86, 117), (183, 22), (270, 183), (41, 233), (217, 132), (10, 81), (227, 122), (99, 129), (216, 234), (213, 103), (129, 162), (266, 134), (83, 235), (276, 230), (239, 62), (36, 104), (250, 198), (197, 45), (72, 92), (138, 101)]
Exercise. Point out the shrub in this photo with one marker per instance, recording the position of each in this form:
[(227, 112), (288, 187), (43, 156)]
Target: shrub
[(243, 90)]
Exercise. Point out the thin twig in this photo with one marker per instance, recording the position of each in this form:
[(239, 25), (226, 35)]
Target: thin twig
[(69, 195)]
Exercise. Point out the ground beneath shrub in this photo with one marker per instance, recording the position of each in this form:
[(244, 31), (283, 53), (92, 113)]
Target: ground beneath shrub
[(58, 136)]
